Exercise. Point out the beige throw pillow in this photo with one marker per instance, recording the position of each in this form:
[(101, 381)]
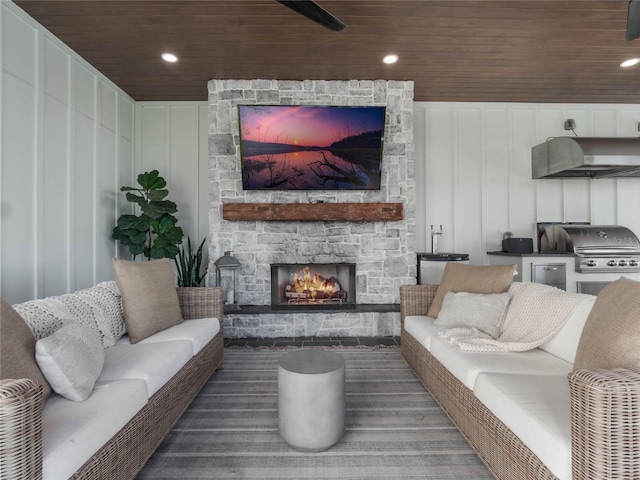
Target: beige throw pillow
[(471, 279), (611, 334), (18, 349), (149, 296)]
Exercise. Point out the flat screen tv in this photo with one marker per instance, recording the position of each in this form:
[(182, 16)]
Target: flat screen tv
[(288, 147)]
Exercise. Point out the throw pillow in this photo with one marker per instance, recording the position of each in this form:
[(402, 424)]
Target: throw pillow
[(149, 296), (478, 310), (611, 334), (18, 349), (44, 315), (107, 296), (71, 360), (103, 306), (471, 279)]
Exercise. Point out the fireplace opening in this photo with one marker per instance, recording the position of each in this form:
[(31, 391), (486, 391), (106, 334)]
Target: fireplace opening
[(316, 285)]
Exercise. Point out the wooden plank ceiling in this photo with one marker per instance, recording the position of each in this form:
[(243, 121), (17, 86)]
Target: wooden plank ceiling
[(480, 50)]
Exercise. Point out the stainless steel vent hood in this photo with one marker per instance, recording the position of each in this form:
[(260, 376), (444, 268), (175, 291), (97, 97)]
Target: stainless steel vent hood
[(586, 157)]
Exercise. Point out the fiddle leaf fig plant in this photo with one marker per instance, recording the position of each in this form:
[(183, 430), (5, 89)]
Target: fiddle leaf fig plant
[(153, 233)]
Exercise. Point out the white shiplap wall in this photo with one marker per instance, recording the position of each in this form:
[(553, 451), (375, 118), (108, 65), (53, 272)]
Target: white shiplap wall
[(66, 137), (474, 160), (172, 137), (67, 145)]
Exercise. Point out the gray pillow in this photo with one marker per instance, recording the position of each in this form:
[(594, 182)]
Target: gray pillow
[(71, 360), (482, 311)]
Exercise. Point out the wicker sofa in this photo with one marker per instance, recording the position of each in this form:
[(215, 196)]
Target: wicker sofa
[(603, 406), (26, 424)]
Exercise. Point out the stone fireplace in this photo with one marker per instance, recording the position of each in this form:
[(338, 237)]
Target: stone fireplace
[(380, 250)]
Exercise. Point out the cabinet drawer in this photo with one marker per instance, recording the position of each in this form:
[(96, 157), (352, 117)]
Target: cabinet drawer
[(554, 274)]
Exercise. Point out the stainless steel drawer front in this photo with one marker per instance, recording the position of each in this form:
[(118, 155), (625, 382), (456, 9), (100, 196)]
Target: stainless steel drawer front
[(553, 274)]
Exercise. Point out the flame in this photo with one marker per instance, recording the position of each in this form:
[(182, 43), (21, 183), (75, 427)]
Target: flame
[(304, 282)]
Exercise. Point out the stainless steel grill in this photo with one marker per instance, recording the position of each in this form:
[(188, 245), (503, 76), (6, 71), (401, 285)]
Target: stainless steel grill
[(598, 248)]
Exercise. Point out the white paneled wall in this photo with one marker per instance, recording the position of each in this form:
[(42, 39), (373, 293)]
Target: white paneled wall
[(66, 137), (67, 144), (172, 137), (475, 164)]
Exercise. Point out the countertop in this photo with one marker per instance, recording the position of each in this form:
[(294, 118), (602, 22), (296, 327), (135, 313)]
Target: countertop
[(534, 254), (443, 256)]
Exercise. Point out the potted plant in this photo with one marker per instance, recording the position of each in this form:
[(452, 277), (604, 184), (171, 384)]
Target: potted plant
[(197, 301), (153, 233), (188, 264)]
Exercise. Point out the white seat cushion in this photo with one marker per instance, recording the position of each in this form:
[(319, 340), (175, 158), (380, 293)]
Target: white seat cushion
[(466, 366), (536, 408), (74, 431), (565, 344), (198, 331), (422, 329), (155, 363)]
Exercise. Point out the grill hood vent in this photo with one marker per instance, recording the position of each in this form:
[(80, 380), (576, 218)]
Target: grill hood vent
[(586, 157)]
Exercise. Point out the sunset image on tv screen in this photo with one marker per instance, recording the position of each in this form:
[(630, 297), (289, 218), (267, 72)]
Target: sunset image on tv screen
[(311, 147)]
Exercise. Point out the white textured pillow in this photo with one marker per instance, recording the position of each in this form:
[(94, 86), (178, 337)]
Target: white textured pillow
[(71, 360), (106, 309), (44, 316), (479, 310)]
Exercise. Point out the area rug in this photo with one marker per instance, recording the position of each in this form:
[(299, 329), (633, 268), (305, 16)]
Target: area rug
[(394, 428)]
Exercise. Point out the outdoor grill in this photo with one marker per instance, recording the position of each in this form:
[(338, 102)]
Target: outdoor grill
[(598, 248)]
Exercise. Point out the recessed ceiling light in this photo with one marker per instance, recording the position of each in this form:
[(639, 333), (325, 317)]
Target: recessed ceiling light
[(169, 57), (630, 63), (391, 58)]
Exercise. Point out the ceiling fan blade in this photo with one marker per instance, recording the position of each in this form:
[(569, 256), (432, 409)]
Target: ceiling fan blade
[(315, 12), (633, 20)]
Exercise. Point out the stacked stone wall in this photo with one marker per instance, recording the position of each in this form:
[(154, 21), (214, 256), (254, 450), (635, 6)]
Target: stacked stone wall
[(383, 251)]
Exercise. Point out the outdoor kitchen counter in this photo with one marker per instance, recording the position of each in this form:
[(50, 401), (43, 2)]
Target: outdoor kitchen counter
[(548, 268), (534, 254)]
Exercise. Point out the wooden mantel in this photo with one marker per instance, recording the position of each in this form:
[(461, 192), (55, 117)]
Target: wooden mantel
[(340, 212)]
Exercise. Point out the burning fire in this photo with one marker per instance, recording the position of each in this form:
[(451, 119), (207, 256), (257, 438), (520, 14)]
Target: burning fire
[(306, 282)]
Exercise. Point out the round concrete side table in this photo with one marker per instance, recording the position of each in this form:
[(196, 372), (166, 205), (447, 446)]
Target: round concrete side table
[(311, 407)]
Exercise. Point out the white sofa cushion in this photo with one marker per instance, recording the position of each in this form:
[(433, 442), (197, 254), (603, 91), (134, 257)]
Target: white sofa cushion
[(198, 331), (536, 408), (155, 363), (466, 366), (565, 343), (422, 329), (74, 431)]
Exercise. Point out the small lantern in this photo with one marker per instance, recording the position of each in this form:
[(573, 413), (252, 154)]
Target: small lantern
[(227, 268)]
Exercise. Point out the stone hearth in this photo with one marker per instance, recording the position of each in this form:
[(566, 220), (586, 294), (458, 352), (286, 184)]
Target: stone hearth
[(382, 250)]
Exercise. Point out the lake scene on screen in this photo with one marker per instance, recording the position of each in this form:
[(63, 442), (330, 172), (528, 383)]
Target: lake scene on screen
[(311, 147)]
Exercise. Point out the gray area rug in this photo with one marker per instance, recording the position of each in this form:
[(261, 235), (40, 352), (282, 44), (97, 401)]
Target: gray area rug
[(394, 428)]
